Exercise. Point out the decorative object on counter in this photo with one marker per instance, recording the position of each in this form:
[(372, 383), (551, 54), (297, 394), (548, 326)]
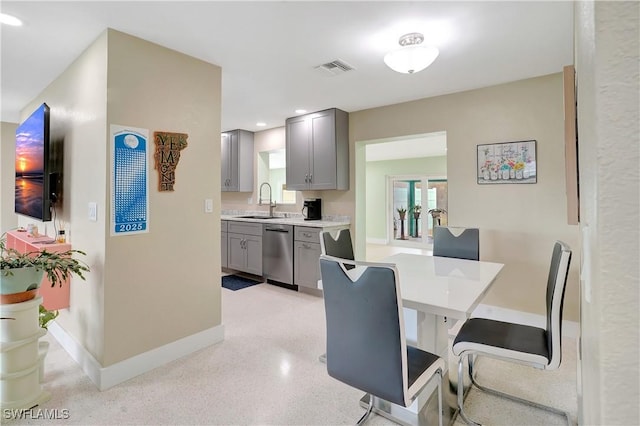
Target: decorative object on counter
[(507, 162), (21, 273), (129, 181), (402, 212), (61, 235), (416, 215), (236, 282), (167, 157)]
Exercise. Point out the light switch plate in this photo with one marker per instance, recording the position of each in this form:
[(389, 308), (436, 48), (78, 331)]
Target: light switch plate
[(93, 212), (208, 205)]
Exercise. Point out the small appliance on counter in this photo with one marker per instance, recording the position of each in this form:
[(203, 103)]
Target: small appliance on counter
[(312, 209)]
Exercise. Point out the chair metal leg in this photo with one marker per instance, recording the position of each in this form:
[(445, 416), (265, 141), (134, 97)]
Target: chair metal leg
[(461, 394), (365, 416), (475, 383), (439, 372)]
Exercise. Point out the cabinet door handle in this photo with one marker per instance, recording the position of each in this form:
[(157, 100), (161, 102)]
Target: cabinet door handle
[(306, 234), (310, 177), (305, 246)]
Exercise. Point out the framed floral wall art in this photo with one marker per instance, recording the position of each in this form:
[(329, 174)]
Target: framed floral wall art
[(507, 162)]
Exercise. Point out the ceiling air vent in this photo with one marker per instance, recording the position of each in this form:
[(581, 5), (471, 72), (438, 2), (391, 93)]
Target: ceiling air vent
[(336, 67)]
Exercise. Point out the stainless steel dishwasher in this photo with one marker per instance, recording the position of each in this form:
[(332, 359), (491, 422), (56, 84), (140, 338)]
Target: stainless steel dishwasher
[(277, 253)]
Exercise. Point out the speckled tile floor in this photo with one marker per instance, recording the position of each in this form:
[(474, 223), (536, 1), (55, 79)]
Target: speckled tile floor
[(266, 371)]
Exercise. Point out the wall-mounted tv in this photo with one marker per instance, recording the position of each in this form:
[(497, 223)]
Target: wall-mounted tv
[(33, 174)]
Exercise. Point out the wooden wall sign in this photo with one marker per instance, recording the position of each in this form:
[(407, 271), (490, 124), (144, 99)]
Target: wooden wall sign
[(167, 156)]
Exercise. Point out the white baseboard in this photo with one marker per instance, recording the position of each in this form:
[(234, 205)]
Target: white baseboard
[(382, 241), (106, 377), (569, 328)]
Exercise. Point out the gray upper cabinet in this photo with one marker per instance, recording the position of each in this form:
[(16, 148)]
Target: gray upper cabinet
[(236, 161), (318, 151)]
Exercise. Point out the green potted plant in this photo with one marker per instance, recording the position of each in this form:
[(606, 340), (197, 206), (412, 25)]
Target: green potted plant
[(45, 316), (21, 273)]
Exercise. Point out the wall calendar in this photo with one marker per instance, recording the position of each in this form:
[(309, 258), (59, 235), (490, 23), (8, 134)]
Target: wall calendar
[(129, 180)]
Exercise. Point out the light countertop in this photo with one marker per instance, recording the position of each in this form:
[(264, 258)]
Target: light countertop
[(296, 221)]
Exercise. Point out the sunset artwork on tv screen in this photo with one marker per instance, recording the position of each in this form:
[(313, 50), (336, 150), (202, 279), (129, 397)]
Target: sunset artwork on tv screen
[(32, 165)]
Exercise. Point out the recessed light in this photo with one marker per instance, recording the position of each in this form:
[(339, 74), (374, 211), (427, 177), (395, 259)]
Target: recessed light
[(10, 20), (261, 124), (301, 111)]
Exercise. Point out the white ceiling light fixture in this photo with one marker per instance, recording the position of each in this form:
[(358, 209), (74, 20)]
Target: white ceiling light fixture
[(261, 124), (10, 20), (411, 57)]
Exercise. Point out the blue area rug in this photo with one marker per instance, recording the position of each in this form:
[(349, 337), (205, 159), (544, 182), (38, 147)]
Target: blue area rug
[(235, 282)]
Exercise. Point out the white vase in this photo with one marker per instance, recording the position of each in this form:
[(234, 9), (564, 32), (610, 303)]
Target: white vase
[(519, 174), (512, 174), (505, 174), (494, 176)]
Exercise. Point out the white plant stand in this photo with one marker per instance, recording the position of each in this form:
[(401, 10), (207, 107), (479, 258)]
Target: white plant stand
[(21, 356)]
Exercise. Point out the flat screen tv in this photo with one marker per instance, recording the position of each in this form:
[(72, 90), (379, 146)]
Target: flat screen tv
[(32, 189)]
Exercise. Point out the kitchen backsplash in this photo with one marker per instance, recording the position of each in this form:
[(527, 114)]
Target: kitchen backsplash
[(290, 215)]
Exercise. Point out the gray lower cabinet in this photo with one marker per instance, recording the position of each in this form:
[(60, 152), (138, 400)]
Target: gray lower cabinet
[(306, 270), (245, 247), (224, 244)]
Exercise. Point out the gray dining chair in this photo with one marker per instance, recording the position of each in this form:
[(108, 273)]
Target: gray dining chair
[(337, 244), (366, 346), (533, 346), (461, 243)]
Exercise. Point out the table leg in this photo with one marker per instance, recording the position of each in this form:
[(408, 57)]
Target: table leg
[(431, 335)]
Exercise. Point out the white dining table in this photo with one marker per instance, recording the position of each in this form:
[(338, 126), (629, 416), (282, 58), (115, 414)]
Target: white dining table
[(441, 290)]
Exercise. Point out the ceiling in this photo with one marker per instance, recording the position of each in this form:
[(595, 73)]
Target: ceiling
[(269, 51)]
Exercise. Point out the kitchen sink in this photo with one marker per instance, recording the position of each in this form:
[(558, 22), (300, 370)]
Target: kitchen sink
[(257, 217)]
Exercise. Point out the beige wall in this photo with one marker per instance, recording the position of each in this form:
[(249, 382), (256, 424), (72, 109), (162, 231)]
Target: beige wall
[(8, 219), (137, 298), (78, 102), (147, 292), (608, 75), (519, 223)]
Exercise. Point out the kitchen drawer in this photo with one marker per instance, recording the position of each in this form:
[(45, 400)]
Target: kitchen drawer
[(245, 228), (224, 226), (307, 264), (308, 234)]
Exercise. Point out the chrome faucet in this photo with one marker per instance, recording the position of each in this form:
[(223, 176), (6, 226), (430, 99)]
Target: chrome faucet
[(272, 204)]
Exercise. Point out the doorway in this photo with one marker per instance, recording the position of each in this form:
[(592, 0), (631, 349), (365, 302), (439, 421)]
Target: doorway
[(415, 156), (411, 199)]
